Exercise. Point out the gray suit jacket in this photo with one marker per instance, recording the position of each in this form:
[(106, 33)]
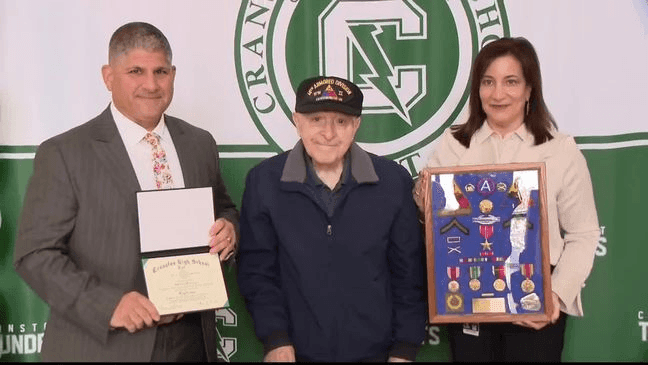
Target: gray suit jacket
[(78, 240)]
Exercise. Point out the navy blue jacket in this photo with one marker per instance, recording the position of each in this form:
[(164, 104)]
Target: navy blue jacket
[(348, 287)]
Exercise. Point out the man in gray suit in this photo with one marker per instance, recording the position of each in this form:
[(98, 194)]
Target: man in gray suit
[(78, 240)]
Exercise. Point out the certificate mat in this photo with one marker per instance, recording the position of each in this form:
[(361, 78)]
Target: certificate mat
[(187, 283), (174, 219)]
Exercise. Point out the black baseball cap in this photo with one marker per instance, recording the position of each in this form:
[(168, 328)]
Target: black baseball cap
[(328, 93)]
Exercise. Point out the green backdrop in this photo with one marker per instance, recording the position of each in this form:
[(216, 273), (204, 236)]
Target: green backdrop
[(238, 63)]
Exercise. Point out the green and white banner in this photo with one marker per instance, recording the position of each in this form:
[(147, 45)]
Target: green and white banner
[(239, 61)]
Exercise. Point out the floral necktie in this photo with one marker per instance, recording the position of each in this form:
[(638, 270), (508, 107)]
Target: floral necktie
[(161, 171)]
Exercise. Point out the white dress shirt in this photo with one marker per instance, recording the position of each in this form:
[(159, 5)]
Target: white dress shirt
[(139, 150)]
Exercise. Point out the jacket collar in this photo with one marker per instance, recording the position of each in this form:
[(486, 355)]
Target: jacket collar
[(362, 168), (112, 151)]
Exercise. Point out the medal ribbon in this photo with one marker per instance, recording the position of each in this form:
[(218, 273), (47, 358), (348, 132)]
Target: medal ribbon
[(527, 270), (475, 272), (486, 231), (453, 272), (470, 260), (499, 271)]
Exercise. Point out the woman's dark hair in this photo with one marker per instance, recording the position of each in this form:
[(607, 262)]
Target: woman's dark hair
[(538, 119)]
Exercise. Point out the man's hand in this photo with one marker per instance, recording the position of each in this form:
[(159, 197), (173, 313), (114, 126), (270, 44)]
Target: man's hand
[(134, 312), (169, 318), (281, 354), (554, 316), (222, 238)]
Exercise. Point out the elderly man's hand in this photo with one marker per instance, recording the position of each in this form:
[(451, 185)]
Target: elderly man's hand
[(397, 359), (281, 354), (222, 238)]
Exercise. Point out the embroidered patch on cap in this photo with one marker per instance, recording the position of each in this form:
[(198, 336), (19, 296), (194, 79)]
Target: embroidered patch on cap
[(330, 93)]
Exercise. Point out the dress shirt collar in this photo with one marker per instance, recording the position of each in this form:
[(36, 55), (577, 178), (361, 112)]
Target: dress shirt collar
[(483, 134), (131, 132)]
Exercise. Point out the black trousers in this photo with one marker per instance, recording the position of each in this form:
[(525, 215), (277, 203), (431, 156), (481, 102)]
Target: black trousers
[(507, 342), (180, 341)]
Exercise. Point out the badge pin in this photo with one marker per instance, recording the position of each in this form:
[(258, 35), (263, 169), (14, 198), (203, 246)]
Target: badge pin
[(486, 206)]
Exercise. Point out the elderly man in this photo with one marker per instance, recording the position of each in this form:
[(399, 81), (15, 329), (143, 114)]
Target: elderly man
[(331, 254), (78, 241)]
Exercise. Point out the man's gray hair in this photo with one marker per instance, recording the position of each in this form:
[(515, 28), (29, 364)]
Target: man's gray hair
[(138, 35)]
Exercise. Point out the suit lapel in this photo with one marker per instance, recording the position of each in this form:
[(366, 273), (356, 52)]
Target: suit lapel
[(112, 153), (186, 152)]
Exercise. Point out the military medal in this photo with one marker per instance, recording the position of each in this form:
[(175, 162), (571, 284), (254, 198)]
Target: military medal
[(499, 284), (486, 221), (453, 274), (454, 300), (475, 272), (486, 232), (527, 285)]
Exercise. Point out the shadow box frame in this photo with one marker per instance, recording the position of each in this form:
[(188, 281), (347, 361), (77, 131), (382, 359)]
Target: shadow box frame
[(443, 306)]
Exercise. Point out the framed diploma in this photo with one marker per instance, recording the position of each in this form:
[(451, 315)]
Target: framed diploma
[(181, 275), (487, 243)]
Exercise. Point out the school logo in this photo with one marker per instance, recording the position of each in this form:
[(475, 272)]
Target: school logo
[(226, 346), (411, 58)]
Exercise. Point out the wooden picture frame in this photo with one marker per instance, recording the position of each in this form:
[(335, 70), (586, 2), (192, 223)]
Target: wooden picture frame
[(487, 246)]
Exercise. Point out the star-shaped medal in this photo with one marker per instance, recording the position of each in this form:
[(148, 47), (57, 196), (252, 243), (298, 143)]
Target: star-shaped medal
[(486, 246)]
